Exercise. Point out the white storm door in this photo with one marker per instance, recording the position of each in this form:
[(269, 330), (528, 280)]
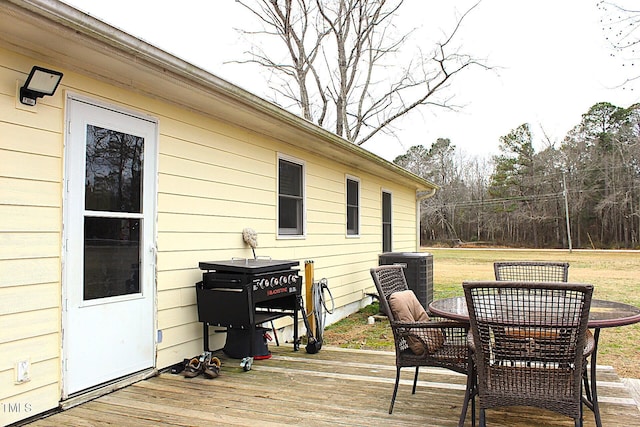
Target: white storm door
[(109, 267)]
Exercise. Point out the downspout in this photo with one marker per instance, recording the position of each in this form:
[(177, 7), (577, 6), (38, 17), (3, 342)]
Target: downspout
[(420, 196)]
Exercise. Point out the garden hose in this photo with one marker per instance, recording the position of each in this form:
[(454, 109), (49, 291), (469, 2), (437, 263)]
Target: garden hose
[(320, 310)]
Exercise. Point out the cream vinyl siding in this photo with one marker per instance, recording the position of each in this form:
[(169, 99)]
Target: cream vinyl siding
[(214, 179), (30, 246), (213, 182), (403, 221)]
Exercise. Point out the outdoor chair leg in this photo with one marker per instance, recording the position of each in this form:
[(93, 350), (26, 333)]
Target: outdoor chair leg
[(483, 419), (395, 390), (579, 421), (469, 395), (415, 380), (587, 388), (473, 411)]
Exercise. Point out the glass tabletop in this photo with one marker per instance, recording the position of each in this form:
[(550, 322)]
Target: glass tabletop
[(603, 314)]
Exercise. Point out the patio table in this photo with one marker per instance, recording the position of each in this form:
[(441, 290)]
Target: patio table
[(602, 314)]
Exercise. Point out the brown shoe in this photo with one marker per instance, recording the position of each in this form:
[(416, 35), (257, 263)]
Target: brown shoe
[(212, 368), (193, 368)]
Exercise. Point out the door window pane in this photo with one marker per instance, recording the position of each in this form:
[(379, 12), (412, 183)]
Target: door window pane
[(113, 180), (111, 257)]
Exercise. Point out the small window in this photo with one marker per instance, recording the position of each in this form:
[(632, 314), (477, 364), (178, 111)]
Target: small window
[(290, 198), (386, 222), (353, 207)]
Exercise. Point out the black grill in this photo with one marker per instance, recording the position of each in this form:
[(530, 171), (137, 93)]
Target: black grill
[(243, 293)]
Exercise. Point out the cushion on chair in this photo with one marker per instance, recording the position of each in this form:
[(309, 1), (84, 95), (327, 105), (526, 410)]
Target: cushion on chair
[(407, 309), (589, 345)]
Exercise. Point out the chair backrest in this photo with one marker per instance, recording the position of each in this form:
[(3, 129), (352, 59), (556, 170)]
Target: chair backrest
[(388, 279), (528, 341), (531, 271)]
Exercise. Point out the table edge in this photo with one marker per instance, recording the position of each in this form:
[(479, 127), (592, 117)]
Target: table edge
[(607, 323)]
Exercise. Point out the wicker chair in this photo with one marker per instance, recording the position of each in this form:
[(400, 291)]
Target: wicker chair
[(453, 354), (531, 271), (541, 329), (543, 271)]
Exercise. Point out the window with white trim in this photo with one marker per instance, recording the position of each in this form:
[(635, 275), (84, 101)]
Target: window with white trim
[(386, 222), (290, 197), (353, 207)]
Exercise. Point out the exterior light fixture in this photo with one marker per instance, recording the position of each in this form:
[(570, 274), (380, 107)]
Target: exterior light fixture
[(41, 82)]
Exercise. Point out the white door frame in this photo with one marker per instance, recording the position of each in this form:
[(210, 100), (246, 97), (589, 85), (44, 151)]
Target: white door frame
[(70, 265)]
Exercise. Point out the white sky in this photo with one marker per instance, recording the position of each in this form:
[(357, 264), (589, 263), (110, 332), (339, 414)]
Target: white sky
[(552, 62)]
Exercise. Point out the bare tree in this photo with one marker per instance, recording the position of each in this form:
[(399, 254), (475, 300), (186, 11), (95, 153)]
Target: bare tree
[(621, 24), (518, 197), (340, 64)]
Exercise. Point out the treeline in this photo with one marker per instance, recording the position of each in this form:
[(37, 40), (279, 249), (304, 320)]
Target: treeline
[(521, 197)]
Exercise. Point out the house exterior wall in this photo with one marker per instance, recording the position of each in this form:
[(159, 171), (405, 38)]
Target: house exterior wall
[(30, 245), (214, 179)]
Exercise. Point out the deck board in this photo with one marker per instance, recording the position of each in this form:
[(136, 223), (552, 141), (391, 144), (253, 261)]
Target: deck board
[(334, 387)]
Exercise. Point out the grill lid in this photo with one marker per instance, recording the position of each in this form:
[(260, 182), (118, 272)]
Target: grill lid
[(248, 265)]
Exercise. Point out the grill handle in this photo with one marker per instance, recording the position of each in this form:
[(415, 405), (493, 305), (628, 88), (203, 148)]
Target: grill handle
[(226, 281)]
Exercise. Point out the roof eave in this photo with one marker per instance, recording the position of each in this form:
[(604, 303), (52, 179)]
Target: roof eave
[(191, 82)]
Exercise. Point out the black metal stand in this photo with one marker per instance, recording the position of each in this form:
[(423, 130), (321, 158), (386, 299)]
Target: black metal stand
[(258, 318)]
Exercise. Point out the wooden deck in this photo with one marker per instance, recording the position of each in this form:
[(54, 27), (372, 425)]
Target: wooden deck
[(335, 387)]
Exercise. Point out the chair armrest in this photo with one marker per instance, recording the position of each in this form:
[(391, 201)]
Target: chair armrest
[(448, 332), (436, 318), (445, 343), (461, 326)]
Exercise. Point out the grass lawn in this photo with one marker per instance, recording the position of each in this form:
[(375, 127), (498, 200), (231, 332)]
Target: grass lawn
[(615, 276)]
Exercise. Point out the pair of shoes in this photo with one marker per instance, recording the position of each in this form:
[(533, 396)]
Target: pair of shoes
[(212, 368), (193, 368)]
